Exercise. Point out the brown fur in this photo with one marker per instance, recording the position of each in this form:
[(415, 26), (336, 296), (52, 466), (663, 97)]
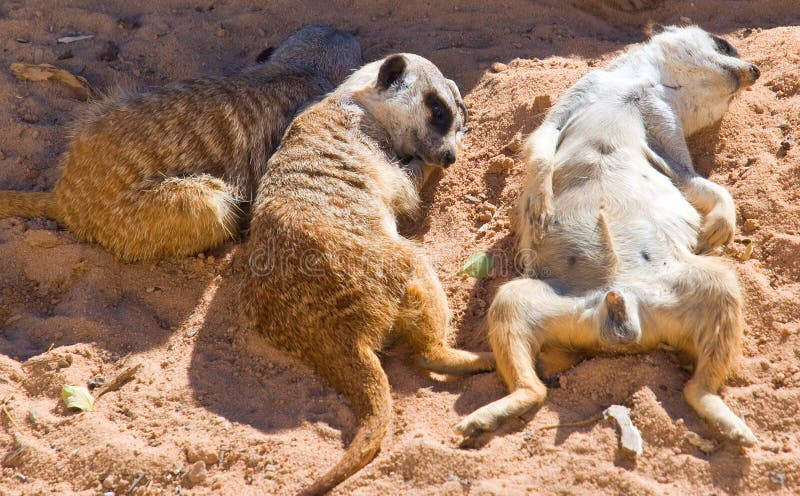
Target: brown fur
[(170, 171), (330, 278)]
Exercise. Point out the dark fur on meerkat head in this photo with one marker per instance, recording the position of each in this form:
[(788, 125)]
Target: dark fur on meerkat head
[(697, 57), (421, 110), (320, 49)]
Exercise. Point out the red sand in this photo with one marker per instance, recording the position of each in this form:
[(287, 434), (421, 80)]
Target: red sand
[(211, 392)]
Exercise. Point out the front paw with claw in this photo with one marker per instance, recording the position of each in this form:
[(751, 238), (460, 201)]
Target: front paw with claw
[(718, 229), (539, 212), (741, 434), (481, 420)]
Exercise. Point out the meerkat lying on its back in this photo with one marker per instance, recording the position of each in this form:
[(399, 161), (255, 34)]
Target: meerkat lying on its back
[(330, 278), (168, 172), (611, 217)]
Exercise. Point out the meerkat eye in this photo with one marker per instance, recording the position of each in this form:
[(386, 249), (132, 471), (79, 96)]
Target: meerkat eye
[(441, 115), (724, 47)]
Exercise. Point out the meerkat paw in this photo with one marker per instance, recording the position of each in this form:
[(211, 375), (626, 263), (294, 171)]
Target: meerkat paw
[(539, 212), (717, 230), (481, 420), (492, 415), (741, 434)]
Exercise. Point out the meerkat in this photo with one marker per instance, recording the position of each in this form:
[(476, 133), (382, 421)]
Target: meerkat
[(170, 172), (613, 225), (329, 277)]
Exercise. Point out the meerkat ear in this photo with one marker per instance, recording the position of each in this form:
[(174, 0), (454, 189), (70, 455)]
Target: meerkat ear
[(391, 71)]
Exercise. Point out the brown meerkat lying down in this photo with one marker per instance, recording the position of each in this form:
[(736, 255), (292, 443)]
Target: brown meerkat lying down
[(170, 171), (614, 220), (329, 277)]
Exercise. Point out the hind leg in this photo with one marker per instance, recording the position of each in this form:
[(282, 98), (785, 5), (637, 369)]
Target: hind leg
[(556, 360), (524, 315), (422, 323), (705, 321)]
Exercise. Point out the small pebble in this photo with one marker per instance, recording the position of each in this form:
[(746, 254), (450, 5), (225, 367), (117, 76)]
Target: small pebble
[(777, 478), (499, 67), (500, 163), (484, 216), (197, 473), (515, 145), (471, 198), (97, 382), (751, 225)]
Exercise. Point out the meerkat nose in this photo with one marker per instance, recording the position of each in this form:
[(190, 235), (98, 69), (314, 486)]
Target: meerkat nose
[(755, 71), (448, 158)]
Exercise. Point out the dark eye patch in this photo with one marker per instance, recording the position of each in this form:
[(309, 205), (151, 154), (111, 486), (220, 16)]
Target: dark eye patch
[(724, 47), (441, 116)]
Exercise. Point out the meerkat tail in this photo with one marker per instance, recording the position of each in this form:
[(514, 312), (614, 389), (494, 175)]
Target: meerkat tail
[(364, 383), (27, 204)]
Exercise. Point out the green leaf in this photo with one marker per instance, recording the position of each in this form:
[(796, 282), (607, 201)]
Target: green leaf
[(77, 398), (479, 265)]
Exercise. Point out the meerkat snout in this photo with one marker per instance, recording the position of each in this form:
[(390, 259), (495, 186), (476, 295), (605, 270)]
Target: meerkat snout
[(747, 75)]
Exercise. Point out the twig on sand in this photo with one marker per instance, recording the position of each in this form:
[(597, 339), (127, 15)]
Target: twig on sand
[(10, 418), (123, 378), (579, 423)]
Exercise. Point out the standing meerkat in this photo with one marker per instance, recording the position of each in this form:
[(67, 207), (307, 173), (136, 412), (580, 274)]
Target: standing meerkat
[(170, 171), (612, 218), (330, 278)]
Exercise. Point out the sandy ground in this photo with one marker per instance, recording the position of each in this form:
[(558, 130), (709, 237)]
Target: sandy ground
[(210, 392)]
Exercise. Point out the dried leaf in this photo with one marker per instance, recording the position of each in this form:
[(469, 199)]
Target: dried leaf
[(479, 265), (747, 253), (77, 398), (44, 72)]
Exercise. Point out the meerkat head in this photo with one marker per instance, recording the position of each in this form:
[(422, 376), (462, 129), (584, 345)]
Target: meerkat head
[(322, 50), (704, 69), (420, 110)]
